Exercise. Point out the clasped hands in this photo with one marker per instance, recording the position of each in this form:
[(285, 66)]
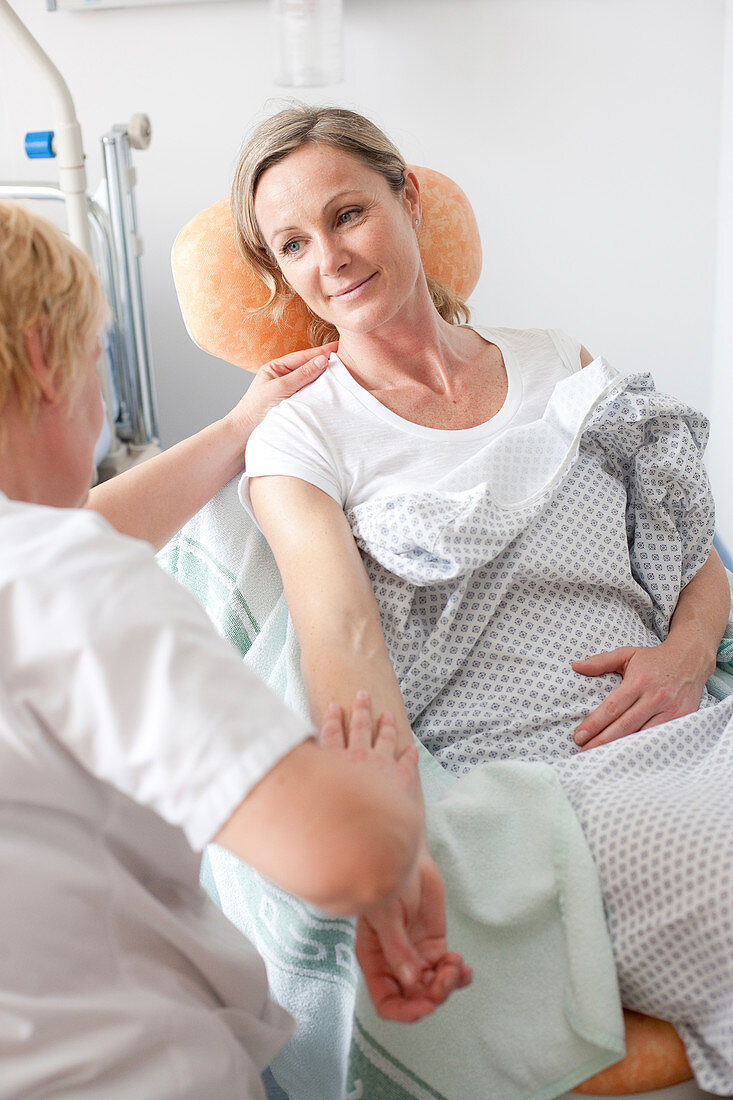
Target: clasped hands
[(401, 945)]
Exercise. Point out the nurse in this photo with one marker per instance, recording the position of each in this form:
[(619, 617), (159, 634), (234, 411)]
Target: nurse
[(131, 735)]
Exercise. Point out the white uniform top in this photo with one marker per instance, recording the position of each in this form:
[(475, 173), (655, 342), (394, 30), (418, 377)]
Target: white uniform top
[(129, 732), (339, 437)]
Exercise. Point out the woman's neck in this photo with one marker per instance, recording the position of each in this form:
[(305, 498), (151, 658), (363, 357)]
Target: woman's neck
[(419, 350)]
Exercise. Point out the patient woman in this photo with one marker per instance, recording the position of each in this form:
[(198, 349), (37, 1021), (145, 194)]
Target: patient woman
[(460, 515)]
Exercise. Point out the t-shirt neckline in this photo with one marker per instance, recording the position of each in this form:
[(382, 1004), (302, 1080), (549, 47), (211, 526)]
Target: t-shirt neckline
[(498, 421)]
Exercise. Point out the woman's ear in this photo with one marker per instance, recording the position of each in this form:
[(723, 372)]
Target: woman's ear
[(412, 196), (39, 349)]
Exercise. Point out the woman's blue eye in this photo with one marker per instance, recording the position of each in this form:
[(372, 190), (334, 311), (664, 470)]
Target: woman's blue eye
[(290, 248), (347, 216)]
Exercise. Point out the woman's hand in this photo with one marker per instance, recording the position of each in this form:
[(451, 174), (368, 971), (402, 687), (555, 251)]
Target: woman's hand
[(275, 381), (658, 683), (402, 950)]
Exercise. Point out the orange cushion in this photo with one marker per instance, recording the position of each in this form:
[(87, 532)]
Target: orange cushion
[(655, 1059), (216, 287)]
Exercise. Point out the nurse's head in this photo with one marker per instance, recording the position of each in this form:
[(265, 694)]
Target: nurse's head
[(52, 310), (326, 208), (49, 297)]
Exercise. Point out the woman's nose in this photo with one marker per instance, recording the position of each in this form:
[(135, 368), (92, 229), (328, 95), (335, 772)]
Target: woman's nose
[(333, 257)]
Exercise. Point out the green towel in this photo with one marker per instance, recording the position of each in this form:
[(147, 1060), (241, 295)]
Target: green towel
[(523, 906)]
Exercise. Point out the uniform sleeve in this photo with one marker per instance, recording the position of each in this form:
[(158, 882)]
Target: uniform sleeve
[(123, 667), (288, 441)]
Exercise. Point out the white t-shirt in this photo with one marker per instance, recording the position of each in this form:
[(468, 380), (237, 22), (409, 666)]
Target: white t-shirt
[(337, 436), (129, 733)]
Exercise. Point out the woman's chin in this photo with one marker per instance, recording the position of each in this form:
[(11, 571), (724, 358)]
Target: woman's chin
[(360, 321)]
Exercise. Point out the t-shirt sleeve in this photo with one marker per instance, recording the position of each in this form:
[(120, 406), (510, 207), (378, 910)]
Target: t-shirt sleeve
[(289, 441), (123, 667), (568, 348)]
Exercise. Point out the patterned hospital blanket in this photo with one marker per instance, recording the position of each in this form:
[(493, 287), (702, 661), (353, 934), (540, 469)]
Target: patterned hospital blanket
[(525, 869)]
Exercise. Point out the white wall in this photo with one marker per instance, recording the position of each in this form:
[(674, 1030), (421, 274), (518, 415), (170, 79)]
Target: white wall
[(720, 464), (586, 133)]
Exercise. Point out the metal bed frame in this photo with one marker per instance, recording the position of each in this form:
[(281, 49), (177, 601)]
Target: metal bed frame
[(108, 232)]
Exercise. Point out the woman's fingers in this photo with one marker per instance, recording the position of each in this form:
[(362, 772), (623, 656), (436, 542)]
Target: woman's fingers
[(656, 687), (401, 959), (631, 721), (618, 702), (296, 378), (612, 710), (615, 660)]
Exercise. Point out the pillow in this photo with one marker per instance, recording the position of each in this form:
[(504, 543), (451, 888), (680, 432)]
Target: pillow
[(217, 288)]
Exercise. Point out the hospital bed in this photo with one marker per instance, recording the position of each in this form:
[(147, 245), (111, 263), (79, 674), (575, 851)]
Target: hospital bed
[(228, 567)]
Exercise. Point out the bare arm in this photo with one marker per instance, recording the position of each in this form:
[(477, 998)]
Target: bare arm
[(401, 946), (701, 616), (665, 681), (153, 500), (330, 599)]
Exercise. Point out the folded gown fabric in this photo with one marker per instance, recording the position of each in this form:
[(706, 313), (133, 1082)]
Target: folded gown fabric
[(562, 538)]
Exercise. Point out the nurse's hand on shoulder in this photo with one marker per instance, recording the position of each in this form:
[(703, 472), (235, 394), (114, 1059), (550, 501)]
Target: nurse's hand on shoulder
[(275, 381), (365, 742), (658, 683)]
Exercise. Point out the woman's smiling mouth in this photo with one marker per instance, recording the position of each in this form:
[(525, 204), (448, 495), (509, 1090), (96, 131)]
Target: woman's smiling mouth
[(352, 291)]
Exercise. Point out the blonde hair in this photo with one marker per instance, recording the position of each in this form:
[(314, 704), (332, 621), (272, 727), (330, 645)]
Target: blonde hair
[(272, 141), (45, 280)]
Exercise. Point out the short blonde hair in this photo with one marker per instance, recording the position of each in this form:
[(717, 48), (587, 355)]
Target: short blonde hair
[(44, 279), (272, 141)]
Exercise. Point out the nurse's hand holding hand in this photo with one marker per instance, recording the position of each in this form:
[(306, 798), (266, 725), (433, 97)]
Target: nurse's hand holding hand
[(400, 945), (153, 500), (659, 683)]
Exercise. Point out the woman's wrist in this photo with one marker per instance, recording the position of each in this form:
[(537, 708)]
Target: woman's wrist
[(694, 650)]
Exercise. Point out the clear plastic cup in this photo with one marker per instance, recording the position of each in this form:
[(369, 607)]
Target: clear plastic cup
[(309, 42)]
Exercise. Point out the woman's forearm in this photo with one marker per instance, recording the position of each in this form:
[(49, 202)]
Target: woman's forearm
[(336, 667), (701, 614), (153, 500), (339, 662), (330, 599)]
